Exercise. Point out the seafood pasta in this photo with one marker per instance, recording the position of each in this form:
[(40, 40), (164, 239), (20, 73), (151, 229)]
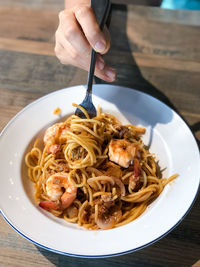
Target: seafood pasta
[(94, 172)]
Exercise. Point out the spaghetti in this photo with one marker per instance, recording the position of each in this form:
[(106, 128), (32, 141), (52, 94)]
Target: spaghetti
[(94, 172)]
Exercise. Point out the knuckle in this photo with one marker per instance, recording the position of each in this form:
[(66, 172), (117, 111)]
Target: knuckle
[(74, 56), (70, 32), (64, 15), (82, 11), (61, 14), (59, 55), (57, 50), (62, 61), (56, 35)]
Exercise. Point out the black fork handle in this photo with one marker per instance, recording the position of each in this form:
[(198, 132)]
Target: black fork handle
[(101, 9)]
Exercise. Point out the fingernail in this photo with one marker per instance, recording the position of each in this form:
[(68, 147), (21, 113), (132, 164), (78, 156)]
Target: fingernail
[(100, 64), (110, 73), (100, 46)]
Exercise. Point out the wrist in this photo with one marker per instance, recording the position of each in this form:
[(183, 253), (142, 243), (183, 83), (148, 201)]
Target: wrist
[(72, 3)]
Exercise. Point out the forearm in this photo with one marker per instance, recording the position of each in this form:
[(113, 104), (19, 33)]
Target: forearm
[(72, 3)]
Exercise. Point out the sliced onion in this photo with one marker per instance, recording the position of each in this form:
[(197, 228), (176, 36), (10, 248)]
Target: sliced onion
[(72, 212), (121, 185), (117, 215), (109, 222)]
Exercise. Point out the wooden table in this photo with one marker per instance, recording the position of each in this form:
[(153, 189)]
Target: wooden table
[(155, 51)]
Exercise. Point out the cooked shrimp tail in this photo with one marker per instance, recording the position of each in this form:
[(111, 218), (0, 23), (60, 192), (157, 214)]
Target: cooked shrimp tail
[(67, 199), (49, 205)]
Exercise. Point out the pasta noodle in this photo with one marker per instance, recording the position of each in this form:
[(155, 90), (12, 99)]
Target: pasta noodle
[(94, 172)]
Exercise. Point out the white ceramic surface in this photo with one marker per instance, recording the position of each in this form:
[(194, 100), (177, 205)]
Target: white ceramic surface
[(169, 137)]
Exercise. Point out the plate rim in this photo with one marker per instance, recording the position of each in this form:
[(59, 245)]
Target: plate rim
[(105, 255)]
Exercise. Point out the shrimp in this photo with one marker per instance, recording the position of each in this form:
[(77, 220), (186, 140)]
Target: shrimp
[(135, 177), (53, 149), (52, 133), (52, 136), (122, 152), (61, 192)]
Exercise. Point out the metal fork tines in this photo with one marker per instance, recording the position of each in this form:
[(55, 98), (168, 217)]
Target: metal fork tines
[(101, 9), (87, 102)]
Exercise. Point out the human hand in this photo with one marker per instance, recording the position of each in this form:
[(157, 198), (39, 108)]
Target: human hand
[(77, 33)]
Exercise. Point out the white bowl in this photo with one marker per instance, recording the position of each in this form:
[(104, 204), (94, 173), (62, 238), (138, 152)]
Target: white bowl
[(169, 137)]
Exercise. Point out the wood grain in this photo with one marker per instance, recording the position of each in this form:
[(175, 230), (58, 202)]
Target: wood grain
[(37, 73), (27, 46), (28, 24), (159, 61), (59, 4), (155, 51), (36, 4)]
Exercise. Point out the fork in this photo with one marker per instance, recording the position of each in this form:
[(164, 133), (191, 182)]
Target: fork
[(101, 9)]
